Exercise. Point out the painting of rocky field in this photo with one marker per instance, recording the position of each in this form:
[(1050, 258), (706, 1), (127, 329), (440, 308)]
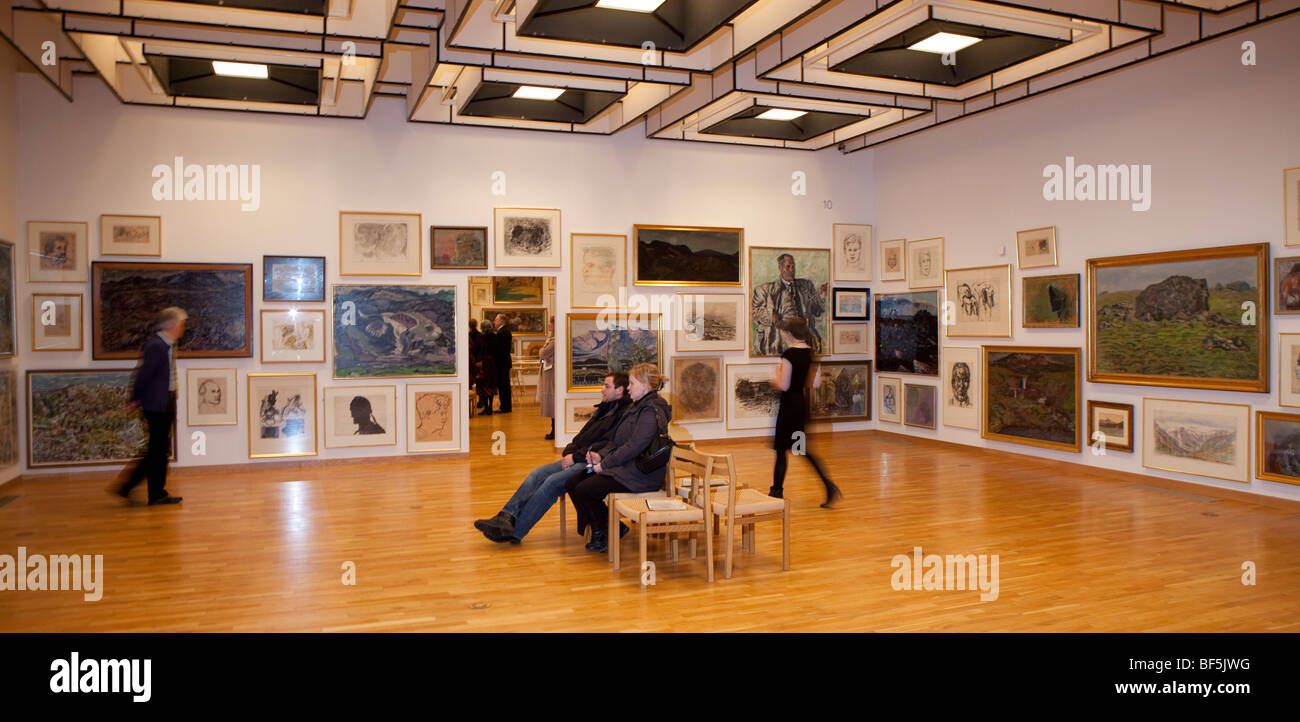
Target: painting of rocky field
[(599, 345), (394, 331), (1031, 396), (80, 417)]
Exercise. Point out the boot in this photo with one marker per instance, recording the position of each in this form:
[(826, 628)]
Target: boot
[(775, 492), (599, 541), (551, 436), (833, 495)]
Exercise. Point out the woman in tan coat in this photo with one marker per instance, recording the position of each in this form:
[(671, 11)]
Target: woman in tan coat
[(546, 379)]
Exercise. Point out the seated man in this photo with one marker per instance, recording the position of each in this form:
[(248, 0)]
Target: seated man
[(546, 483)]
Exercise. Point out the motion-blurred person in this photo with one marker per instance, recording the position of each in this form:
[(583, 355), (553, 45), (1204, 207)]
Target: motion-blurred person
[(154, 392), (790, 378)]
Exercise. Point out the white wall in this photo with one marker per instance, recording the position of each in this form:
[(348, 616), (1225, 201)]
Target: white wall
[(9, 198)]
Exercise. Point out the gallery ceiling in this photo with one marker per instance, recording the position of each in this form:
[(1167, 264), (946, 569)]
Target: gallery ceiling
[(799, 74)]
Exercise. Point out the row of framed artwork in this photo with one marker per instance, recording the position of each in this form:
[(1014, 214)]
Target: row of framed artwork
[(921, 262)]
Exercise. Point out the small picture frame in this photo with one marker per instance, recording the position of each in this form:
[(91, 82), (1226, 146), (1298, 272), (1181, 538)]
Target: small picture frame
[(293, 278), (925, 263), (379, 244), (56, 322), (711, 321), (1111, 424), (480, 293), (360, 416), (526, 237), (1291, 192), (1277, 437), (851, 252), (211, 397), (578, 411), (1286, 285), (56, 252), (893, 260), (293, 336), (697, 389), (1288, 374), (432, 418), (849, 338), (851, 304), (517, 291), (1036, 248), (919, 406), (130, 235), (457, 247), (8, 301), (1050, 301), (281, 415), (891, 399), (529, 346)]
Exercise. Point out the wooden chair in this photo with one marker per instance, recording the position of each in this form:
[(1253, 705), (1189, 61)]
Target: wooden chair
[(745, 507), (694, 518)]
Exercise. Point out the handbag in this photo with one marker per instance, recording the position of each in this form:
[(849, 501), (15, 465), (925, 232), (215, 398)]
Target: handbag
[(660, 450)]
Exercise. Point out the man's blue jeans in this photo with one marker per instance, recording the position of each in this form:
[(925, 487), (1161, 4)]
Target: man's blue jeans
[(539, 491)]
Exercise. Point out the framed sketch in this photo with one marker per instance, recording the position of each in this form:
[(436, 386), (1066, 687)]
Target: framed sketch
[(598, 267), (851, 304), (56, 322), (360, 416), (293, 278), (1286, 285), (130, 235), (960, 387), (711, 322), (1111, 424), (891, 390), (432, 418), (578, 411), (527, 237), (8, 417), (1288, 373), (520, 320), (1176, 319), (851, 246), (1195, 437), (379, 244), (919, 405), (925, 263), (293, 336), (211, 397), (56, 252), (599, 344), (394, 331), (907, 333), (772, 273), (8, 300), (1277, 437), (1036, 248), (480, 292), (520, 290), (686, 256), (1291, 192), (529, 346), (843, 393), (457, 247), (126, 296), (1032, 396), (893, 260), (696, 383), (981, 299), (752, 402), (281, 415), (1050, 301), (78, 417), (849, 338)]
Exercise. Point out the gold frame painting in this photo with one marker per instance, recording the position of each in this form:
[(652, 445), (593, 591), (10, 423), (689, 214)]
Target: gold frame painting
[(684, 412), (587, 295), (571, 403), (1239, 416), (621, 323), (110, 245), (687, 327), (913, 263), (840, 271), (74, 317), (838, 348), (760, 374), (227, 392), (934, 405), (449, 412), (969, 313), (258, 419), (442, 233), (1288, 369), (531, 296), (896, 386), (411, 262), (1036, 298), (899, 246), (1094, 425), (1263, 460), (550, 259), (58, 270), (1038, 240), (273, 348), (1038, 374), (685, 263)]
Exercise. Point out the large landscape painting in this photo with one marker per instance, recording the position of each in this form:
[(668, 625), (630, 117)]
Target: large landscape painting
[(394, 331), (907, 333), (678, 256), (217, 296), (80, 417), (1031, 396)]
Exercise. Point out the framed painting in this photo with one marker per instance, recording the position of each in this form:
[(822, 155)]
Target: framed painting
[(599, 344), (925, 263), (480, 294), (893, 260), (1286, 285), (1291, 194), (907, 333), (919, 405), (379, 244), (961, 387), (79, 418), (211, 397), (527, 237), (8, 301), (784, 283), (126, 297), (1036, 248), (1277, 437), (1288, 373), (293, 278), (281, 415), (711, 322), (1050, 301), (457, 247), (686, 256), (520, 290), (360, 416), (1195, 437), (696, 389), (891, 390), (1032, 396), (752, 401), (293, 336), (598, 268), (578, 411), (851, 304), (981, 300), (130, 235), (520, 320), (529, 346), (852, 253), (1178, 319), (56, 322), (1111, 425), (843, 392), (8, 417), (432, 418), (394, 331), (56, 252), (849, 338)]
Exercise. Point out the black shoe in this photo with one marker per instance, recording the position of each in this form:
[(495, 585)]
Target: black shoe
[(599, 542), (550, 436), (833, 495), (165, 500), (120, 490), (775, 492), (500, 528), (485, 413)]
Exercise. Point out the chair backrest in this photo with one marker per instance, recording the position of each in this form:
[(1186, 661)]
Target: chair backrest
[(695, 466)]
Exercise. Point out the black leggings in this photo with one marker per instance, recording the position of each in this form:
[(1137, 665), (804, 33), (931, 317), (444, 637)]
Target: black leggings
[(778, 472)]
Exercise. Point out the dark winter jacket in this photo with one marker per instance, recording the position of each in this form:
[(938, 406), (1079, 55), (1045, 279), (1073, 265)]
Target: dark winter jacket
[(637, 428), (597, 429)]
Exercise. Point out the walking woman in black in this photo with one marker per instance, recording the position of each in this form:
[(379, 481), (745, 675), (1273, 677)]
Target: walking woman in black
[(794, 373)]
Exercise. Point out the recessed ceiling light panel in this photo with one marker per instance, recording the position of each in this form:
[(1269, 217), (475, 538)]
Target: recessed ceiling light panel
[(239, 70), (941, 43), (636, 6), (781, 114), (533, 92)]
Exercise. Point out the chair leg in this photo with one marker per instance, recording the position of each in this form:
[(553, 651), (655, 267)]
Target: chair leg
[(731, 527), (785, 539), (640, 573), (615, 539), (564, 528), (708, 546), (672, 548), (691, 545)]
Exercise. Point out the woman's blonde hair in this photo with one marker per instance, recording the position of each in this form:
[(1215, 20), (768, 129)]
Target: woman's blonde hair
[(649, 375)]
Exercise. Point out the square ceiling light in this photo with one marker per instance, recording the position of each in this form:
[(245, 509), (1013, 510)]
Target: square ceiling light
[(187, 77), (671, 25), (494, 99), (759, 121)]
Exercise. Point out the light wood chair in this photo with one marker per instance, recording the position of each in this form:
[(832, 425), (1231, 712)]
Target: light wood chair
[(696, 517), (737, 506)]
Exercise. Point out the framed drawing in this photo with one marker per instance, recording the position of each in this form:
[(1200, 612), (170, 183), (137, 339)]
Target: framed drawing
[(919, 405), (457, 247), (1286, 285), (79, 418), (293, 278), (843, 394), (1291, 193), (211, 397), (961, 387), (981, 299), (8, 300), (1111, 424), (56, 322), (379, 244), (1277, 437), (360, 416), (578, 411), (432, 418), (281, 415), (907, 333), (925, 263), (8, 417), (1176, 319), (787, 282), (849, 338), (480, 294), (598, 267), (520, 320), (293, 336), (711, 322), (851, 246), (1036, 248), (394, 331), (527, 237), (1288, 373), (126, 297), (1050, 301), (56, 252), (599, 345), (696, 389), (520, 290), (1194, 437), (891, 390), (893, 263), (851, 304), (751, 400), (1031, 396), (686, 256), (529, 346), (130, 235)]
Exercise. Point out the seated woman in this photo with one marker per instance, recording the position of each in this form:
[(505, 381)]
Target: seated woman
[(614, 461)]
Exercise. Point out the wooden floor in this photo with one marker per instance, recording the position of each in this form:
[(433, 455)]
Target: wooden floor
[(262, 551)]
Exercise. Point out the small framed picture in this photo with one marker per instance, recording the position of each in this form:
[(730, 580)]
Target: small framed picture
[(379, 244), (851, 252), (8, 301), (293, 336), (527, 237), (1197, 437), (432, 417), (56, 252), (1286, 282), (293, 278), (891, 390), (517, 290), (360, 416), (281, 415), (1050, 301), (578, 411), (925, 263), (893, 265), (1112, 424), (599, 268), (211, 397), (454, 247), (848, 338), (697, 389), (130, 235), (1291, 190), (851, 304), (919, 406), (1036, 247), (529, 346), (56, 322), (1277, 457), (712, 321), (480, 293), (1288, 376)]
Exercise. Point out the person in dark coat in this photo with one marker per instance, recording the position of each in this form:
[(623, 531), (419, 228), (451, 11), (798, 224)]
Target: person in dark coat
[(795, 372), (154, 393), (486, 383), (475, 338), (504, 345)]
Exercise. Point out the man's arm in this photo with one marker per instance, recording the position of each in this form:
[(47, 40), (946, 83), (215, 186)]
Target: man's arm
[(153, 360)]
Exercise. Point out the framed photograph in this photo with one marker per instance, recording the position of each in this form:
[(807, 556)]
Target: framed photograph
[(1032, 395), (578, 411), (1176, 319), (211, 397), (360, 416), (78, 417), (1195, 437), (907, 333), (891, 390), (520, 320), (1286, 284), (599, 345), (293, 278), (56, 322), (432, 418), (851, 304), (1111, 424), (851, 246), (527, 237), (784, 283), (981, 299), (1050, 301), (394, 331), (925, 263), (1277, 437), (598, 267), (1288, 375), (126, 296), (480, 292), (130, 235), (893, 260), (752, 402), (919, 405), (711, 322), (1036, 248), (56, 252), (520, 290), (457, 247), (843, 394), (9, 448), (1291, 192), (293, 336), (696, 385), (281, 415), (529, 346), (849, 338), (379, 244), (8, 312), (961, 387), (686, 256)]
